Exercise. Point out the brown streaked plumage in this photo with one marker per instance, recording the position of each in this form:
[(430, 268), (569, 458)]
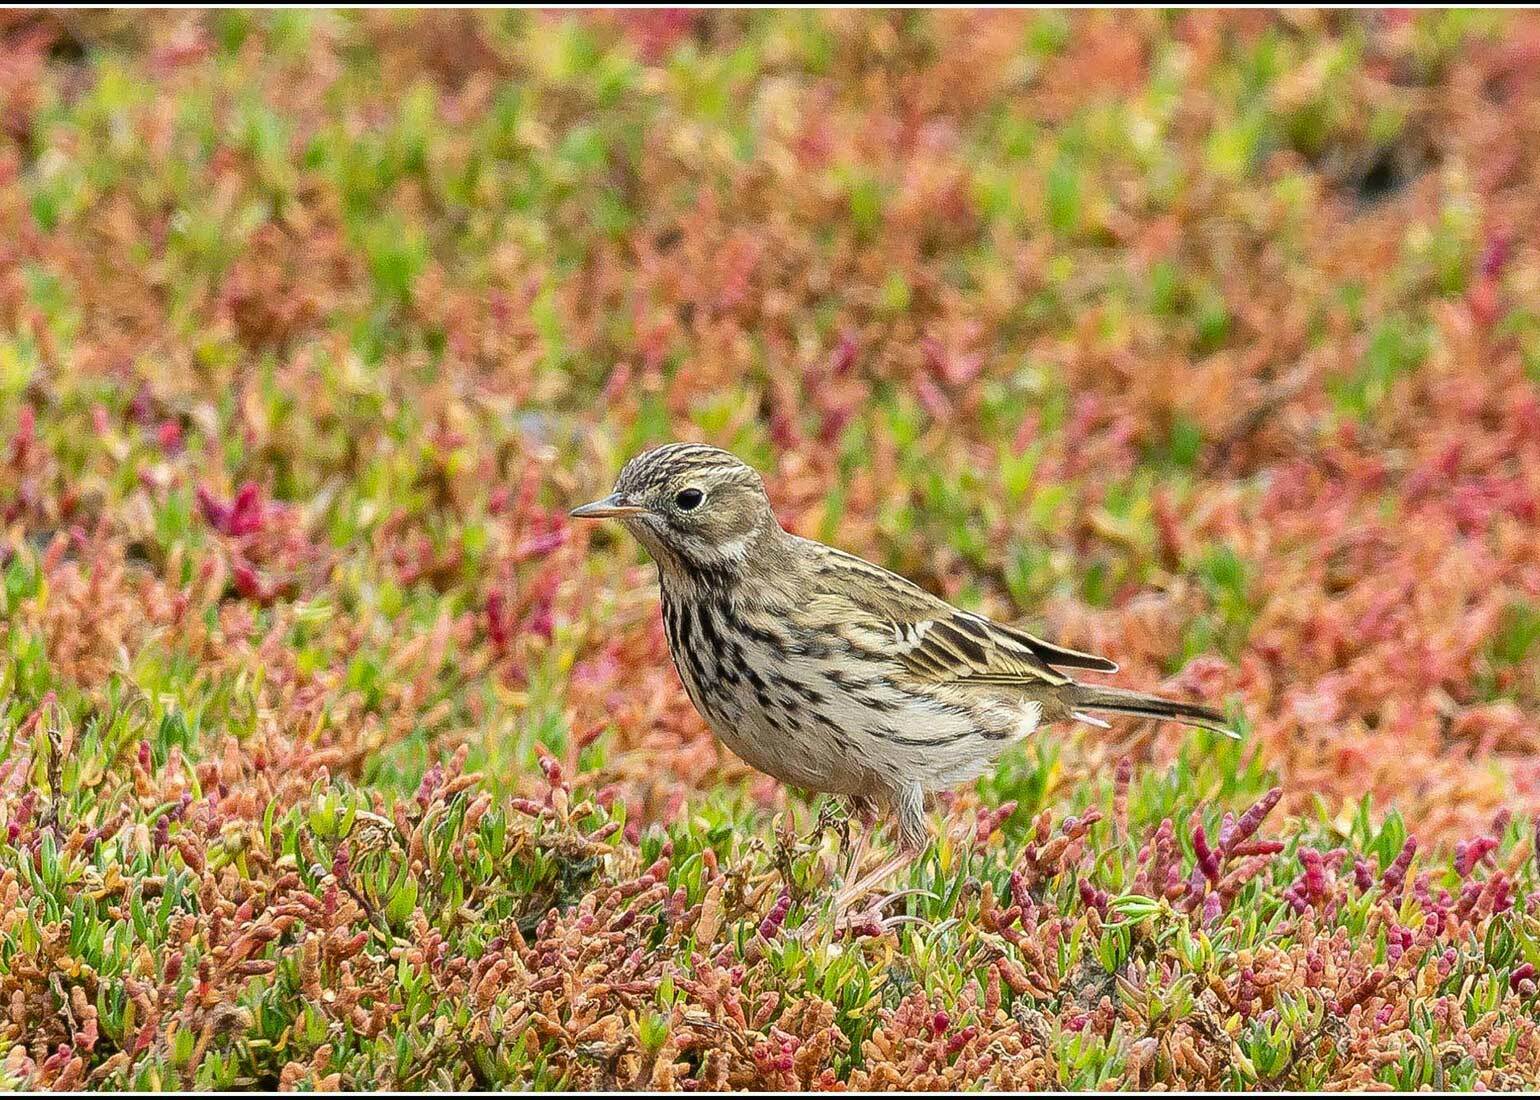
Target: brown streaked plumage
[(829, 672)]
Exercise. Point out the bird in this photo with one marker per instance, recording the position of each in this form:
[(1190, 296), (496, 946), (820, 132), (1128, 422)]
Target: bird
[(833, 674)]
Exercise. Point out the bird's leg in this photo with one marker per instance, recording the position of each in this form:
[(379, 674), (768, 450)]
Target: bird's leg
[(842, 913), (849, 895), (864, 810), (910, 807)]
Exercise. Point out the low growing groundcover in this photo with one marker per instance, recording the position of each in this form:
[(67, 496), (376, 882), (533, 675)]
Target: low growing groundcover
[(333, 756)]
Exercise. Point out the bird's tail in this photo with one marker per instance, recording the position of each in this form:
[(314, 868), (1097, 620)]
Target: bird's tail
[(1122, 701)]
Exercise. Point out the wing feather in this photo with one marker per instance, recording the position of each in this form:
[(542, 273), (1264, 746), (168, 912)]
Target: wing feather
[(933, 640), (1057, 655)]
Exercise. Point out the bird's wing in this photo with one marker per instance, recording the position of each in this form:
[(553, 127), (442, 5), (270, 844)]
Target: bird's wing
[(933, 640)]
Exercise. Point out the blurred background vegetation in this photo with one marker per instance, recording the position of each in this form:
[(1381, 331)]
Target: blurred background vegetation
[(1204, 340)]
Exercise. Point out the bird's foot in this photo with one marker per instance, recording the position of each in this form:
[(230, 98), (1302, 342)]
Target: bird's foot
[(862, 812), (865, 920), (847, 917), (852, 892)]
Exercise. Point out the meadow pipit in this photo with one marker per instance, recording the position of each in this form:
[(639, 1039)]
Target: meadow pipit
[(829, 672)]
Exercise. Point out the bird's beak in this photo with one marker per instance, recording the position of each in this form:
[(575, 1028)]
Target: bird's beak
[(611, 507)]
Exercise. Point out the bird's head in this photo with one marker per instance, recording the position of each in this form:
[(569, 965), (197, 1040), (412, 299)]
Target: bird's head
[(691, 505)]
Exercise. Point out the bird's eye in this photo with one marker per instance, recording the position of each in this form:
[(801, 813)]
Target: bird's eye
[(688, 499)]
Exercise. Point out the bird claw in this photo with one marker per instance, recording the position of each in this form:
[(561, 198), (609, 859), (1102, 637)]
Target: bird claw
[(911, 892), (868, 920), (858, 921), (887, 924)]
